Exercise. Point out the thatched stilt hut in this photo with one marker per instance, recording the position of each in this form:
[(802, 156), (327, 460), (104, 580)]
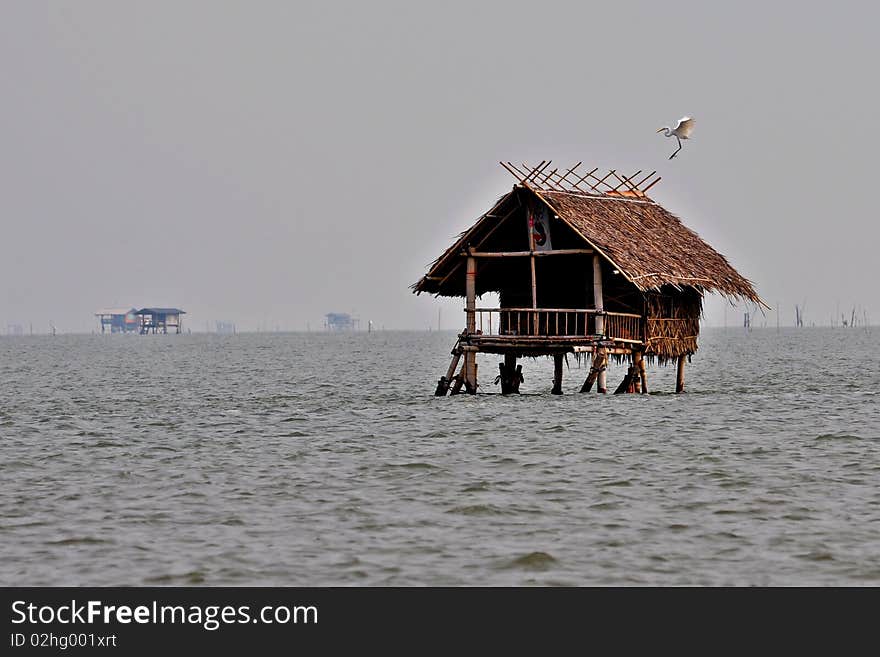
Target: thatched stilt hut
[(582, 264)]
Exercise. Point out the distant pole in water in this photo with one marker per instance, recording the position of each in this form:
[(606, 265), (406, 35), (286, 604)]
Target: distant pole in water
[(370, 326), (439, 317), (777, 317)]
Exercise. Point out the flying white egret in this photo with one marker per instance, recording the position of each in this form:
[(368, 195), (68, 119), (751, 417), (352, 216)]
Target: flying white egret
[(682, 131)]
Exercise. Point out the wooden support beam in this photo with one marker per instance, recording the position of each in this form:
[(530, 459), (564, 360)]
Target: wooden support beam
[(584, 177), (600, 362), (458, 381), (598, 300), (510, 375), (602, 379), (470, 286), (679, 377), (625, 385), (645, 190), (470, 381), (534, 173), (518, 254), (443, 383), (470, 359), (534, 283), (497, 225), (557, 373), (639, 357)]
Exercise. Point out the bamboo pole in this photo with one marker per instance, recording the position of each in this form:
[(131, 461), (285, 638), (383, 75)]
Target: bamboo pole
[(470, 358), (600, 362), (509, 376), (643, 372), (443, 383), (626, 384), (534, 283), (679, 378), (471, 292), (598, 301), (458, 381), (557, 374), (599, 304)]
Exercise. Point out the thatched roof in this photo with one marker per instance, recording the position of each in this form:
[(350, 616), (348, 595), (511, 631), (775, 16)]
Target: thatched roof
[(644, 241), (648, 244)]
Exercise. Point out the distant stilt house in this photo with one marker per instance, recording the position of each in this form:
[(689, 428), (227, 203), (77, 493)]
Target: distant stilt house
[(160, 320), (340, 322), (582, 264), (118, 320)]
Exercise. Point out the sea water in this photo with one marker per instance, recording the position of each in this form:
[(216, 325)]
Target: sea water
[(317, 459)]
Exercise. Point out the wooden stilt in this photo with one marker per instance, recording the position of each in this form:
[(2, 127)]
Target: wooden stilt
[(679, 379), (557, 374), (470, 358), (502, 378), (510, 375), (642, 371), (626, 384), (510, 367), (458, 380), (600, 362), (443, 383), (602, 379), (636, 383), (470, 379), (598, 300)]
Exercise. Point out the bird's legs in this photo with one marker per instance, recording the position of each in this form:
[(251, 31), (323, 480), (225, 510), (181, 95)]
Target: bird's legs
[(676, 150)]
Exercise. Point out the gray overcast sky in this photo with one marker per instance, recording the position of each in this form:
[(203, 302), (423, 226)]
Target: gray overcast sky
[(267, 162)]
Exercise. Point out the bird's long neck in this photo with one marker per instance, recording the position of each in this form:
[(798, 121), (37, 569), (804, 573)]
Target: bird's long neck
[(668, 132)]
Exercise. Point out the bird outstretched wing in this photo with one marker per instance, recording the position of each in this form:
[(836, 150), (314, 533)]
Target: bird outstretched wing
[(685, 127)]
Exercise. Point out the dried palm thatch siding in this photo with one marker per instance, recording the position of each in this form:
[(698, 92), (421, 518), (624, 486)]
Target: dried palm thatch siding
[(673, 324)]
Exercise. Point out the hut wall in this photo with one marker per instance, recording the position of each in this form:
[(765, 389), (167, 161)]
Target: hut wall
[(673, 323)]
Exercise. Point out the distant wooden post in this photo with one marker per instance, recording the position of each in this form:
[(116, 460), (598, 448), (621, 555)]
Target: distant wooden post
[(679, 379), (557, 374), (470, 358)]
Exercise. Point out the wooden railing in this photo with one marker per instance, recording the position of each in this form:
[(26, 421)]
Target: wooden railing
[(557, 323), (625, 327)]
